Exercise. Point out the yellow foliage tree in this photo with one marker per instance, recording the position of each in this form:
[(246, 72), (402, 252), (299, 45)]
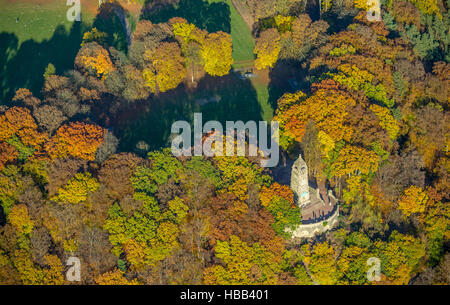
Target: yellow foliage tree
[(166, 70), (243, 264), (327, 108), (28, 272), (413, 201), (20, 220), (429, 7), (186, 31), (267, 49), (216, 53), (115, 277), (77, 189), (353, 159), (322, 264), (94, 57), (387, 121), (54, 274), (326, 142), (215, 48)]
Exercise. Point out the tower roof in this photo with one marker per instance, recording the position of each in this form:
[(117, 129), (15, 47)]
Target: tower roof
[(299, 163)]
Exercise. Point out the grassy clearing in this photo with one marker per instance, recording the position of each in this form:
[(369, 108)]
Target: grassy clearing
[(262, 93), (31, 36), (151, 121), (243, 42), (36, 22), (243, 46)]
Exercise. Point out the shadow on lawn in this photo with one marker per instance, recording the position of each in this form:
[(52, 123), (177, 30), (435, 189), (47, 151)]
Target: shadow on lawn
[(108, 21), (287, 76), (151, 120), (213, 17), (23, 67)]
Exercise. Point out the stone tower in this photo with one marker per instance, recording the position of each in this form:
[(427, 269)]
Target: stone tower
[(299, 182)]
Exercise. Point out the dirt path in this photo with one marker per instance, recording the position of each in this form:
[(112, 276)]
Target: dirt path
[(309, 274)]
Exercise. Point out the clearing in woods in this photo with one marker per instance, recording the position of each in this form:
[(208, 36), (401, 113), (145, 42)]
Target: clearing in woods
[(243, 42), (243, 46), (42, 34), (34, 33), (37, 19)]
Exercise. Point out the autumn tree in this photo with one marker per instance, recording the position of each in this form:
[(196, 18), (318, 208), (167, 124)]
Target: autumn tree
[(216, 53), (267, 48), (276, 190), (26, 97), (77, 189), (242, 264), (303, 36), (166, 68), (115, 175), (18, 121), (321, 263), (76, 139), (19, 218), (49, 117), (92, 58), (115, 277), (7, 154), (413, 201), (400, 257), (191, 39)]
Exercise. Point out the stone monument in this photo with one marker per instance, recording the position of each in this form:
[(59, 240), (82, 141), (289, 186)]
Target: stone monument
[(299, 182), (316, 216)]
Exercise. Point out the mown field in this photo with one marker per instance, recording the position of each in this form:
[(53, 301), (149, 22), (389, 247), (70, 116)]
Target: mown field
[(243, 45), (34, 33), (37, 20), (243, 42)]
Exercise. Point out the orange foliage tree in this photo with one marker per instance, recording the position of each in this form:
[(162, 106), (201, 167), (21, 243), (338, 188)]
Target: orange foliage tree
[(78, 140), (7, 154), (276, 190), (327, 108), (18, 121), (93, 57)]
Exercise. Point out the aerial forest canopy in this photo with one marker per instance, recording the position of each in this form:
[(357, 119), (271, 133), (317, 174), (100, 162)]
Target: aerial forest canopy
[(368, 111)]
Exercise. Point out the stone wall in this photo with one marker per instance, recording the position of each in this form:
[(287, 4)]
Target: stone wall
[(309, 230)]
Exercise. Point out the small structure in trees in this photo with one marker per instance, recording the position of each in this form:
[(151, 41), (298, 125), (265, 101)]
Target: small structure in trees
[(317, 216)]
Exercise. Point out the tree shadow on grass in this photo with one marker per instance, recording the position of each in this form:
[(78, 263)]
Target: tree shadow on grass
[(230, 99), (23, 67), (286, 77), (8, 47), (2, 217), (213, 17), (109, 22)]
